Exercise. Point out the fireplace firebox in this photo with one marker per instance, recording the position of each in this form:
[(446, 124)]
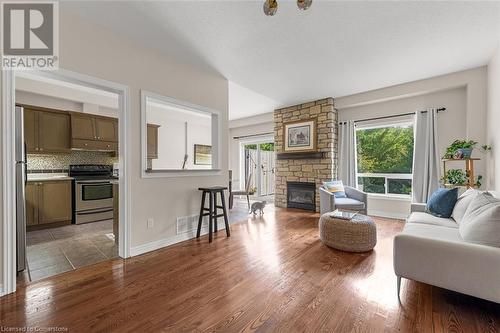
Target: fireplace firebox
[(301, 195)]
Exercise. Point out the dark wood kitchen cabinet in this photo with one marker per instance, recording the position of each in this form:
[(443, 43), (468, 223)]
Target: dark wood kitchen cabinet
[(107, 129), (31, 130), (82, 127), (90, 132), (46, 131), (31, 197), (48, 202), (54, 131), (152, 141)]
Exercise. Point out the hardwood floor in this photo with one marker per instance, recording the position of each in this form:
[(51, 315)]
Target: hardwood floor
[(272, 275)]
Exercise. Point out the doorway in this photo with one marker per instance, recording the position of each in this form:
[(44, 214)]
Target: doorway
[(258, 166), (56, 187)]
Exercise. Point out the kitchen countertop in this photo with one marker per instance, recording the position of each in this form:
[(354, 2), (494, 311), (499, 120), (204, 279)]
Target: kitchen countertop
[(40, 177)]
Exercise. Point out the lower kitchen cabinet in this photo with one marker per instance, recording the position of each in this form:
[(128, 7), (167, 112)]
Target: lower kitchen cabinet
[(31, 195), (48, 202)]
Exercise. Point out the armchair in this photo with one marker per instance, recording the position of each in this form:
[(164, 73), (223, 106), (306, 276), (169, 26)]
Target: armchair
[(356, 200)]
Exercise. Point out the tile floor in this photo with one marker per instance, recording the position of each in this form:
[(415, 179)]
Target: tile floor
[(57, 250)]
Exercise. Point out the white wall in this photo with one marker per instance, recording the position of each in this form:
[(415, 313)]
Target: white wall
[(494, 121), (1, 194), (101, 53), (89, 49), (462, 93), (243, 127), (172, 125)]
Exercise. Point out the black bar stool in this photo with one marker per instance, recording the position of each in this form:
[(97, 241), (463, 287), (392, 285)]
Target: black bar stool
[(211, 212)]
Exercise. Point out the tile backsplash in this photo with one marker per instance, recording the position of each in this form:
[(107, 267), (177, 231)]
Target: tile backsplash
[(61, 162)]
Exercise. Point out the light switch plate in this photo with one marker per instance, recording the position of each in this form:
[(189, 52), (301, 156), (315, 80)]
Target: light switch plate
[(151, 223)]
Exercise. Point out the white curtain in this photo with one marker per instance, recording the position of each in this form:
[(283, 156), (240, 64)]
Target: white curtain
[(347, 158), (425, 156)]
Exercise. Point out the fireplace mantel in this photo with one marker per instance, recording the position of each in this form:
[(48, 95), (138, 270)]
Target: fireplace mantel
[(300, 156)]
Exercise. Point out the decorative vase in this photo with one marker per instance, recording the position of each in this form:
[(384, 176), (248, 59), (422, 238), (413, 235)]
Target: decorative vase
[(465, 152)]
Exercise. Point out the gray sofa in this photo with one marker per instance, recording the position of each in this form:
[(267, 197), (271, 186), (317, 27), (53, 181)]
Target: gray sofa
[(431, 250), (356, 200)]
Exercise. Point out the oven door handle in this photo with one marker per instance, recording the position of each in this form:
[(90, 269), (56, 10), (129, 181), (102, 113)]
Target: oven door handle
[(93, 183), (96, 211)]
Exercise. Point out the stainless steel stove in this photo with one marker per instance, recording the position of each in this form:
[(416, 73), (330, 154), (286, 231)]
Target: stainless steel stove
[(92, 192)]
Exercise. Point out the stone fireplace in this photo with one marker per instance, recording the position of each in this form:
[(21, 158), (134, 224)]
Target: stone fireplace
[(310, 168)]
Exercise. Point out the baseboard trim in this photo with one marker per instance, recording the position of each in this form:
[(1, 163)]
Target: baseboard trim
[(2, 293), (164, 242), (390, 215)]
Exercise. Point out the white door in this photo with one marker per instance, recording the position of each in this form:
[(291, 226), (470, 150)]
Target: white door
[(260, 167)]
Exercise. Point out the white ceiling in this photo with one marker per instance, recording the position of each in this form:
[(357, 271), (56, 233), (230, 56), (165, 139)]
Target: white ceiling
[(332, 49), (244, 102)]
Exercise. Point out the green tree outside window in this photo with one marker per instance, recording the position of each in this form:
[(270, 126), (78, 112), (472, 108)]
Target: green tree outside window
[(385, 150)]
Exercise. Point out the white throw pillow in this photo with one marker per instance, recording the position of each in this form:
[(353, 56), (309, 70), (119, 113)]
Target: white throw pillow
[(463, 203), (481, 222)]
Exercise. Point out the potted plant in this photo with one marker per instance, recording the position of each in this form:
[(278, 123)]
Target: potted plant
[(460, 149), (486, 148), (479, 181), (455, 177), (252, 190)]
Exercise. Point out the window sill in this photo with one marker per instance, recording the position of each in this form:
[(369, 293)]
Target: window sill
[(394, 197)]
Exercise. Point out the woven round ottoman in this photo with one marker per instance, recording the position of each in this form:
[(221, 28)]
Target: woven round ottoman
[(356, 235)]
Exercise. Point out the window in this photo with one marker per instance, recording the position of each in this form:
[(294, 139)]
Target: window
[(178, 138), (385, 158)]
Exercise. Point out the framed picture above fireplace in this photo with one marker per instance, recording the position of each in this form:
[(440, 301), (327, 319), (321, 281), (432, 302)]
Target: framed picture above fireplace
[(300, 136)]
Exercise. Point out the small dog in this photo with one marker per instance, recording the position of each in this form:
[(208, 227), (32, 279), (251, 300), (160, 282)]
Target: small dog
[(258, 206)]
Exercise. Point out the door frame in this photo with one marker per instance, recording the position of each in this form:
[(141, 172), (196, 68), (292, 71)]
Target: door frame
[(242, 143), (8, 165)]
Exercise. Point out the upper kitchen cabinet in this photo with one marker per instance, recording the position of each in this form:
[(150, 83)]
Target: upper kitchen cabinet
[(91, 132), (82, 127), (54, 132), (31, 130), (106, 129), (46, 131)]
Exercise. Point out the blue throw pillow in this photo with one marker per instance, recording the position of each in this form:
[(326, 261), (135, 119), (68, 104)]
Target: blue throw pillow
[(336, 187), (442, 202)]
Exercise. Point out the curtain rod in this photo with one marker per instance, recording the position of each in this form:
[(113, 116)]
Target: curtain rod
[(392, 116), (252, 135)]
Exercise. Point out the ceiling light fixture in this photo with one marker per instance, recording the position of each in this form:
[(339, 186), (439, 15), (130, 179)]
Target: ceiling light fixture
[(304, 4), (271, 6)]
